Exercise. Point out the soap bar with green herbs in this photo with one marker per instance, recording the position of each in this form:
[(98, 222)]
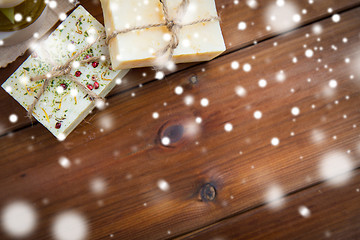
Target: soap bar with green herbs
[(64, 105)]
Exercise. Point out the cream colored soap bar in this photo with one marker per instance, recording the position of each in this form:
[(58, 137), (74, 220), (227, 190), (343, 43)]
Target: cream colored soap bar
[(63, 105), (199, 42)]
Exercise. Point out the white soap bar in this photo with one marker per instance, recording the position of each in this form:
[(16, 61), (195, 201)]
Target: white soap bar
[(198, 42), (64, 105)]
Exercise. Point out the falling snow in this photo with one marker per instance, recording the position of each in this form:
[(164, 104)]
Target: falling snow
[(309, 53), (262, 83), (165, 141), (204, 102), (336, 167), (13, 118), (61, 137), (317, 136), (282, 15), (159, 75), (18, 219), (275, 141), (247, 67), (235, 65), (242, 26), (163, 185), (100, 104), (257, 114), (280, 3), (336, 18), (188, 100), (228, 127), (274, 196), (64, 162), (240, 91), (155, 115), (317, 29), (304, 211), (62, 16), (333, 83), (280, 76), (98, 185), (70, 225), (198, 120), (18, 17), (252, 3), (52, 4), (295, 111), (179, 90), (296, 18)]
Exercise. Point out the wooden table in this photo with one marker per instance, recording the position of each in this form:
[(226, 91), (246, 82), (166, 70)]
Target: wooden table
[(271, 159)]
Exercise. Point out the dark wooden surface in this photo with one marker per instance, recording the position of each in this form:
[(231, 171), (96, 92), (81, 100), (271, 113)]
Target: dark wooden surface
[(121, 144), (231, 15), (339, 205)]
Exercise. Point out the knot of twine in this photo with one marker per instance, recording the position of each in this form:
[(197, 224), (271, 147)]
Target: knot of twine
[(63, 70), (173, 25)]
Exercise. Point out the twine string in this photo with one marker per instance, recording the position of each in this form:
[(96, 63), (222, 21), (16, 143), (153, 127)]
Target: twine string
[(62, 70), (173, 25)]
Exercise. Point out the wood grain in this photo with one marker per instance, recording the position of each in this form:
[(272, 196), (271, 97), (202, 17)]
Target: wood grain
[(334, 213), (121, 145), (257, 20)]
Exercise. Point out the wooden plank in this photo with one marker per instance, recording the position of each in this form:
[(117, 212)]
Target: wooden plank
[(121, 145), (257, 20), (333, 212)]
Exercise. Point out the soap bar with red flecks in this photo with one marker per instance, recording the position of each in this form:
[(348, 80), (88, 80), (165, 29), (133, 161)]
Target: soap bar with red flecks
[(64, 105)]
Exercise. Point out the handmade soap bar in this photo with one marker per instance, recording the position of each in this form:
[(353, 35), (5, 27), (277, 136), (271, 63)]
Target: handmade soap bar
[(64, 104), (197, 42)]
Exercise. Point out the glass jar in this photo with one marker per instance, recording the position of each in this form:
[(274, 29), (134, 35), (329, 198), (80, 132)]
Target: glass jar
[(18, 23)]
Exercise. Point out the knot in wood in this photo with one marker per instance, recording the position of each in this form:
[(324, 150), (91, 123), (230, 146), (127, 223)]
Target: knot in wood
[(193, 79), (207, 192), (173, 132)]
